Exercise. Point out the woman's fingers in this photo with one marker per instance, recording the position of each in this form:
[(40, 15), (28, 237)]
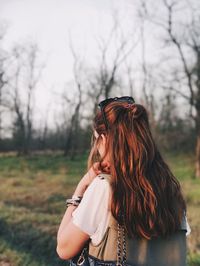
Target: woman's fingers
[(96, 166), (105, 167)]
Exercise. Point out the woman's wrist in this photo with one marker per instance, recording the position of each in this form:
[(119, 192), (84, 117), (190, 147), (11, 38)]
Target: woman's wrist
[(80, 189), (84, 183)]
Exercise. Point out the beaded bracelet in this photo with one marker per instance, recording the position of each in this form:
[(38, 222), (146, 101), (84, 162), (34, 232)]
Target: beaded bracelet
[(75, 201), (78, 198)]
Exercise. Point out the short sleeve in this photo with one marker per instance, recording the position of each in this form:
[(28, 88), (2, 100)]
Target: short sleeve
[(188, 228), (93, 207), (185, 225)]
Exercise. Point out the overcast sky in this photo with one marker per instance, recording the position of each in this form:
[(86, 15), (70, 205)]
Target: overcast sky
[(49, 23)]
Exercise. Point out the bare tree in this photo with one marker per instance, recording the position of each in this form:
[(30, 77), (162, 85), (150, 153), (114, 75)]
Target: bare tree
[(33, 76), (147, 89), (3, 80), (2, 85), (104, 78), (22, 84), (97, 82), (72, 129), (19, 133), (184, 36)]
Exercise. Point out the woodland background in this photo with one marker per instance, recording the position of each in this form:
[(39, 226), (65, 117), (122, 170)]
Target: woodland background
[(43, 158)]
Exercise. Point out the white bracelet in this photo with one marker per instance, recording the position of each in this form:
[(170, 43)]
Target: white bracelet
[(78, 198), (72, 202), (75, 200)]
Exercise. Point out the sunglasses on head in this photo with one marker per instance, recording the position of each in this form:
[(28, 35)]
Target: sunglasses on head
[(104, 103)]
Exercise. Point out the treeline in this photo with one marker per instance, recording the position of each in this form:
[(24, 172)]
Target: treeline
[(169, 88), (171, 133), (73, 129)]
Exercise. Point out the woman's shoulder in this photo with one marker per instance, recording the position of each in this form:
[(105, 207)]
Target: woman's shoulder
[(101, 179), (100, 185), (104, 176), (100, 182)]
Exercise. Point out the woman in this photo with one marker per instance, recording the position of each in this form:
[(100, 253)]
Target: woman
[(128, 184)]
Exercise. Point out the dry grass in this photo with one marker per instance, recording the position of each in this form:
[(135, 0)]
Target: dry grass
[(32, 202)]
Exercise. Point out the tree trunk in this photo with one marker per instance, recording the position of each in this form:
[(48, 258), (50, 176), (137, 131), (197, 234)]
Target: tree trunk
[(197, 163), (197, 124)]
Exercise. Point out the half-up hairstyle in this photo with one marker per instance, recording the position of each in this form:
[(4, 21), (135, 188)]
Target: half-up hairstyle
[(144, 189)]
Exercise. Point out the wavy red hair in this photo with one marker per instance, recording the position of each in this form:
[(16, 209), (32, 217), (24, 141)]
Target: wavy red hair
[(144, 189)]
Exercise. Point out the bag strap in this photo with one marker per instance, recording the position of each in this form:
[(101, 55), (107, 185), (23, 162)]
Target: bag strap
[(121, 238), (121, 258)]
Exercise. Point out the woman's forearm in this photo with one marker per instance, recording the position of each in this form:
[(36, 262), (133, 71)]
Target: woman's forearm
[(79, 191), (65, 220)]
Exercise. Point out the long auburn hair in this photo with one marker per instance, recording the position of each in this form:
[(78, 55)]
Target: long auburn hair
[(146, 196)]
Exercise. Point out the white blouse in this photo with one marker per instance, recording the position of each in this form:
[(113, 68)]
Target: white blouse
[(92, 214)]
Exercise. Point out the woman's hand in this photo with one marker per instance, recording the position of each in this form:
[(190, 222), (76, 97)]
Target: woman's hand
[(88, 178)]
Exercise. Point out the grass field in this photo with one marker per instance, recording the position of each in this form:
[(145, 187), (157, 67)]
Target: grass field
[(32, 201)]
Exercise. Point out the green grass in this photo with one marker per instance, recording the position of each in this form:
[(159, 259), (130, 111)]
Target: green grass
[(32, 201)]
